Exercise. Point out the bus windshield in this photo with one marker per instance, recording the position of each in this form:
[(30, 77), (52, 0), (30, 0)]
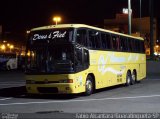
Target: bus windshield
[(50, 51), (50, 59)]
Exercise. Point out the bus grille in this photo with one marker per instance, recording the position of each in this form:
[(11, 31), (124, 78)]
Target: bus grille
[(47, 89), (43, 82)]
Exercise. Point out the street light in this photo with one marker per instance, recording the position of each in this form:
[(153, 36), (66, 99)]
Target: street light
[(3, 47), (8, 44), (57, 19), (11, 47), (28, 31)]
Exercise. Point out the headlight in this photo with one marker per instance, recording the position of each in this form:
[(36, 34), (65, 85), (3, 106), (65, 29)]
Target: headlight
[(30, 82), (66, 81)]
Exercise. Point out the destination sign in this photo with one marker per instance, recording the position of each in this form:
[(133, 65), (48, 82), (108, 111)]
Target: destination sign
[(51, 35)]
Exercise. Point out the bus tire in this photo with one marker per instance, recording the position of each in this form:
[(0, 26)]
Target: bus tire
[(134, 77), (128, 78), (89, 86)]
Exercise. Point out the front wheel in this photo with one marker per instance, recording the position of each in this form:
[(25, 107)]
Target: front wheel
[(134, 77), (89, 86)]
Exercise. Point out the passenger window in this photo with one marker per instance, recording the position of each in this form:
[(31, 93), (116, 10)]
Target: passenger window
[(82, 37), (94, 39), (124, 46), (137, 46), (108, 38), (130, 45), (115, 43), (106, 41), (78, 56), (133, 45), (142, 47), (86, 58)]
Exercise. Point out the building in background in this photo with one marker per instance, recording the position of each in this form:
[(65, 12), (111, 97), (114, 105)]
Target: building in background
[(140, 27)]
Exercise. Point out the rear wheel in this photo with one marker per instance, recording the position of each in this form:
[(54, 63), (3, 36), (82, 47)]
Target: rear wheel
[(89, 85), (128, 78)]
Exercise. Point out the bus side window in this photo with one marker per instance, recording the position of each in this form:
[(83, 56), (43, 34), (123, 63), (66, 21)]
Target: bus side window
[(138, 46), (108, 38), (133, 45), (81, 37), (86, 58), (130, 44), (124, 46), (78, 56), (142, 47), (118, 41), (115, 42), (91, 40), (104, 41), (98, 39), (94, 39)]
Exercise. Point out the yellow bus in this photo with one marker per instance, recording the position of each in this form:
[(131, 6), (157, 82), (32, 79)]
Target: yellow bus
[(76, 58)]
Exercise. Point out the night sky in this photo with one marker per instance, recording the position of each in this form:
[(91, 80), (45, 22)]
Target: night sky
[(21, 15)]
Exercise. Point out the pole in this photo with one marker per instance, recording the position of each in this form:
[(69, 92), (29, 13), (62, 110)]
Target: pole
[(151, 30), (129, 17), (140, 16)]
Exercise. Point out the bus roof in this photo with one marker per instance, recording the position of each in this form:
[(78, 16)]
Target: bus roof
[(82, 26)]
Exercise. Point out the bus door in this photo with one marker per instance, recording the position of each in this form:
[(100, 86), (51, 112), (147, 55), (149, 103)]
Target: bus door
[(81, 58)]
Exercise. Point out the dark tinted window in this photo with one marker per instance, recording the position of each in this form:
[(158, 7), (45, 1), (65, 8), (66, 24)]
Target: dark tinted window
[(137, 46), (86, 58), (115, 42), (142, 49), (94, 39), (124, 44), (106, 41), (130, 44), (81, 37), (133, 45)]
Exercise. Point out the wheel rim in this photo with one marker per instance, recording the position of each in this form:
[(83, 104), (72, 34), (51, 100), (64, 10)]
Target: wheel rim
[(128, 79), (89, 86), (134, 77)]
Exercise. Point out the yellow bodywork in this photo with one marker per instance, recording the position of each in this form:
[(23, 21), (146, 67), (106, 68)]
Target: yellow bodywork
[(108, 68)]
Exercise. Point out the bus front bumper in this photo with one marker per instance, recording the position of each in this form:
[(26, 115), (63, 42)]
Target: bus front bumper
[(63, 88)]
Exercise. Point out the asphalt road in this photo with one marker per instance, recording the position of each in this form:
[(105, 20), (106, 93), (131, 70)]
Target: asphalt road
[(143, 97)]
